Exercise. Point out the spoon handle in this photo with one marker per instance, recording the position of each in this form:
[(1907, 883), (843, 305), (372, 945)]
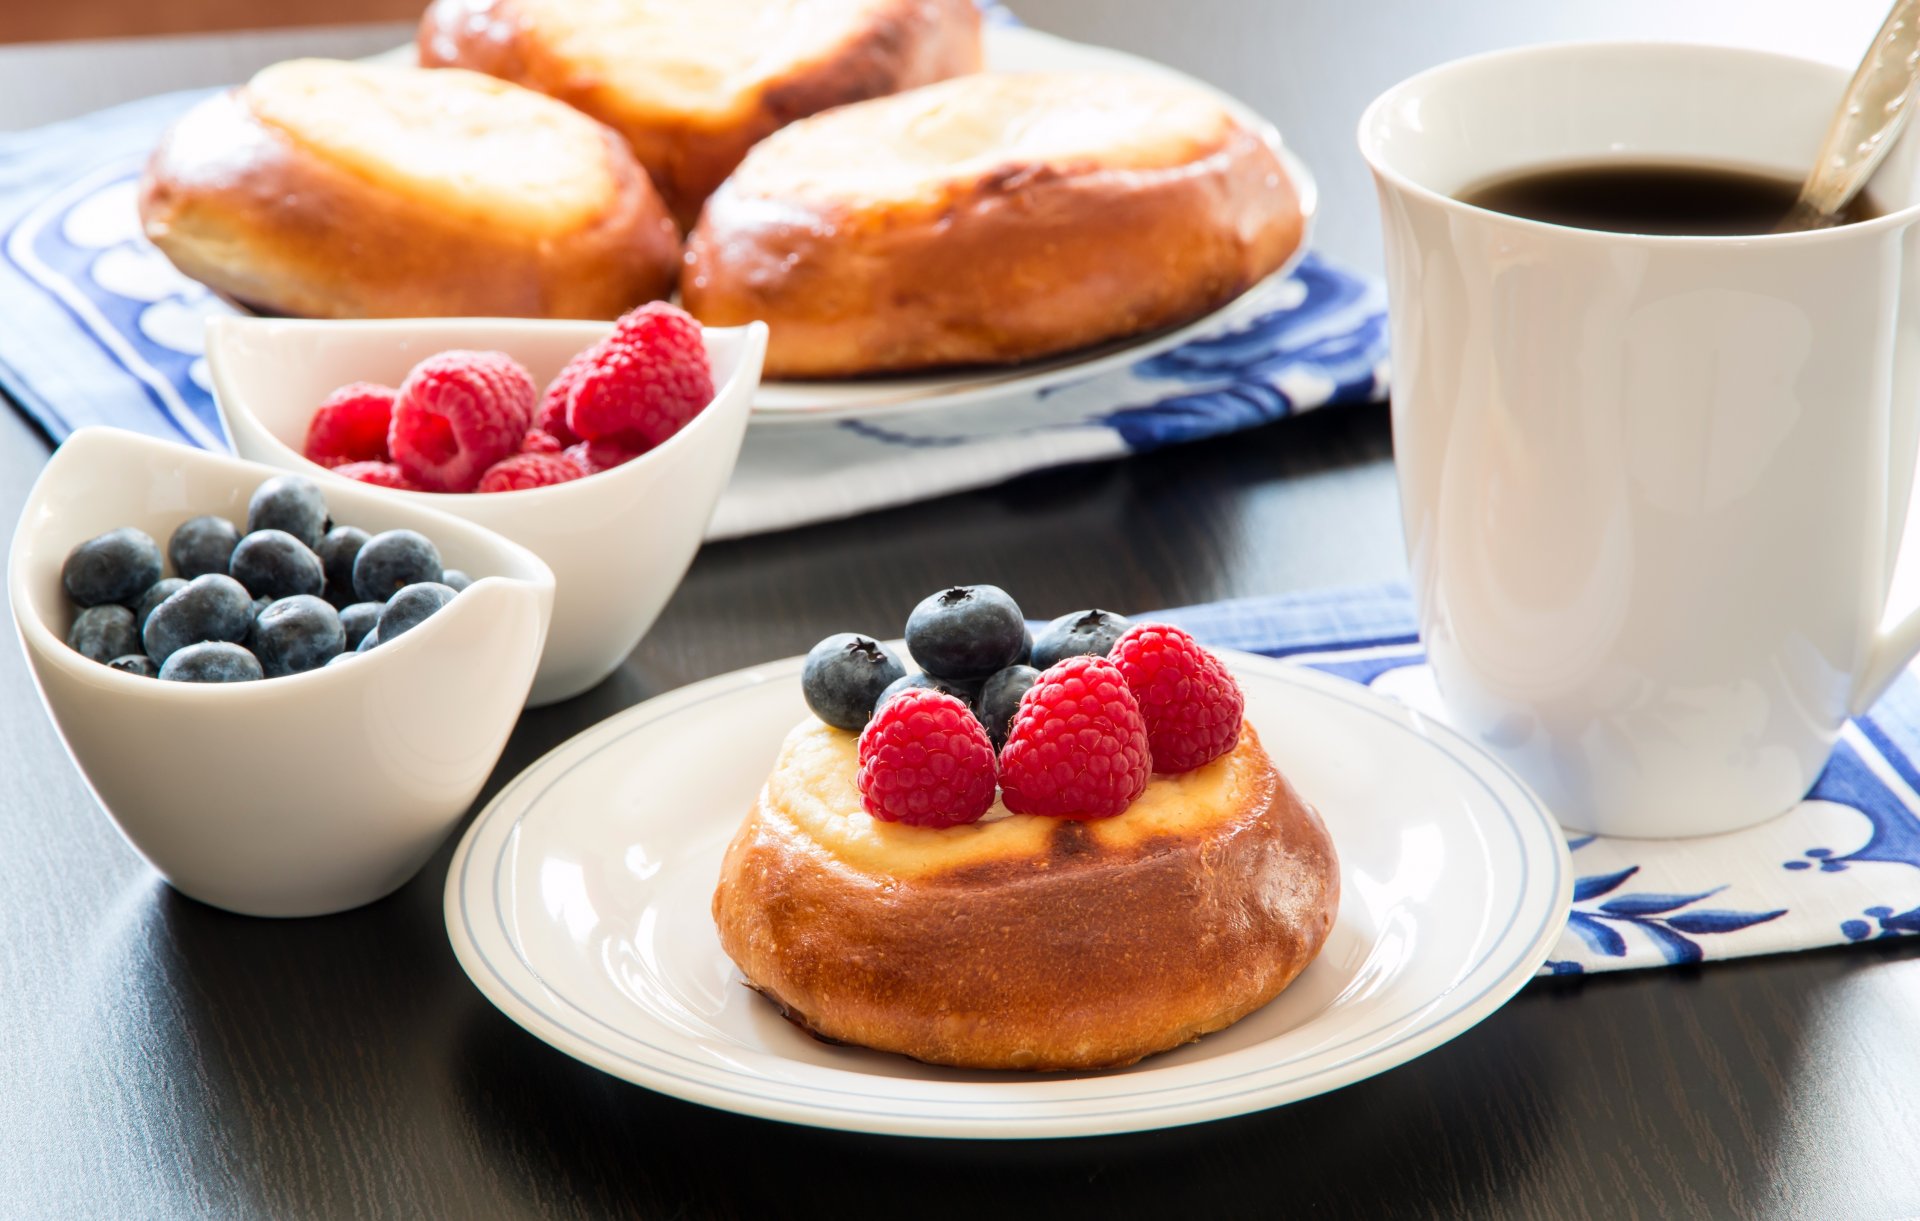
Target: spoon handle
[(1872, 112)]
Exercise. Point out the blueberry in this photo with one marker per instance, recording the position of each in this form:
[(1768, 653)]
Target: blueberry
[(455, 580), (337, 553), (358, 620), (136, 663), (260, 606), (968, 631), (1088, 633), (118, 566), (157, 593), (391, 561), (291, 503), (1000, 699), (201, 545), (297, 634), (1025, 656), (102, 633), (211, 607), (213, 661), (370, 641), (409, 608), (964, 692), (274, 564), (844, 676)]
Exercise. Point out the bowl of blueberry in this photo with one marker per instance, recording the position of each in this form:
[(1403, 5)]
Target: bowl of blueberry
[(602, 447), (285, 696)]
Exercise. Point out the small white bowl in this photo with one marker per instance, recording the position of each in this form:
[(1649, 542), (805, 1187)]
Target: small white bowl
[(618, 542), (292, 796)]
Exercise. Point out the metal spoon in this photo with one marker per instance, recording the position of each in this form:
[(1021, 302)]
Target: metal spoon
[(1872, 113)]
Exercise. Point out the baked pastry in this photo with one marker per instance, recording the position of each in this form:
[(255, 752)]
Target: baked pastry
[(990, 219), (693, 84), (1021, 941), (336, 190)]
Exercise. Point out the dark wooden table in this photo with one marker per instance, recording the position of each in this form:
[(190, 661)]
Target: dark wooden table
[(160, 1058)]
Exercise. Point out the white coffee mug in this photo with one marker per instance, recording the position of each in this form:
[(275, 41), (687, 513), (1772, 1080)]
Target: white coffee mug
[(1653, 487)]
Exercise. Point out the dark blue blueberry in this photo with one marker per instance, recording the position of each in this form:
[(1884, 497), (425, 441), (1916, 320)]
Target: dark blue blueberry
[(966, 632), (118, 567), (213, 661), (370, 641), (274, 564), (919, 679), (297, 634), (136, 663), (844, 676), (1087, 633), (157, 593), (1000, 699), (411, 607), (102, 633), (455, 580), (211, 607), (359, 619), (337, 553), (292, 503), (201, 545), (391, 561)]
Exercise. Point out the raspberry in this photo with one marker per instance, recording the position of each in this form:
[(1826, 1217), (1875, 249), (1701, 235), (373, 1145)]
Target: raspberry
[(647, 378), (606, 453), (552, 416), (924, 760), (539, 441), (1077, 747), (380, 474), (351, 425), (1191, 704), (457, 414), (523, 471)]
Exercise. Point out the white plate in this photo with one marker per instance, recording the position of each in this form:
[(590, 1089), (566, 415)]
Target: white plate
[(1017, 49), (579, 903)]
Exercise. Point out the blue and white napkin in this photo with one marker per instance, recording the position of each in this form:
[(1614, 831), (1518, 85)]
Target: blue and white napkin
[(96, 327), (1842, 866)]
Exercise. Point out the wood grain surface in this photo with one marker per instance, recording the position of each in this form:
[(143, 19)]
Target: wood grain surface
[(159, 1058)]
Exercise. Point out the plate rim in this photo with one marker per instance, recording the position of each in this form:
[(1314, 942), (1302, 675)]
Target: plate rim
[(1434, 1022)]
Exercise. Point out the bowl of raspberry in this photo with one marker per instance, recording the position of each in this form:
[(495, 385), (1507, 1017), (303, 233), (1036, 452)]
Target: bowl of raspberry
[(601, 447), (285, 697)]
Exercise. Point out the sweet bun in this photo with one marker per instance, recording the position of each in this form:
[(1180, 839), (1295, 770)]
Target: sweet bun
[(693, 84), (336, 190), (1020, 941), (990, 219)]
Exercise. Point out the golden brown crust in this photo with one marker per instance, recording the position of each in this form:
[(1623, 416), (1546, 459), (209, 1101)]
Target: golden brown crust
[(1024, 261), (903, 43), (241, 207), (1089, 957)]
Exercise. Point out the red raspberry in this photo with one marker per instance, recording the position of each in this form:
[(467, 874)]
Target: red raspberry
[(380, 474), (351, 425), (1077, 746), (552, 416), (606, 453), (1191, 704), (925, 760), (647, 378), (539, 441), (457, 414), (523, 471)]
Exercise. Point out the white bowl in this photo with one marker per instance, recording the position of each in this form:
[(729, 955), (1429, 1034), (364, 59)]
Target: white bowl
[(291, 796), (618, 542)]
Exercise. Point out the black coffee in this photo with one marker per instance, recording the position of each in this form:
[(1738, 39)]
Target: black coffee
[(1649, 197)]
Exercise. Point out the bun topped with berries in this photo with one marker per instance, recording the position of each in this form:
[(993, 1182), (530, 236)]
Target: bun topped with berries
[(1093, 912)]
